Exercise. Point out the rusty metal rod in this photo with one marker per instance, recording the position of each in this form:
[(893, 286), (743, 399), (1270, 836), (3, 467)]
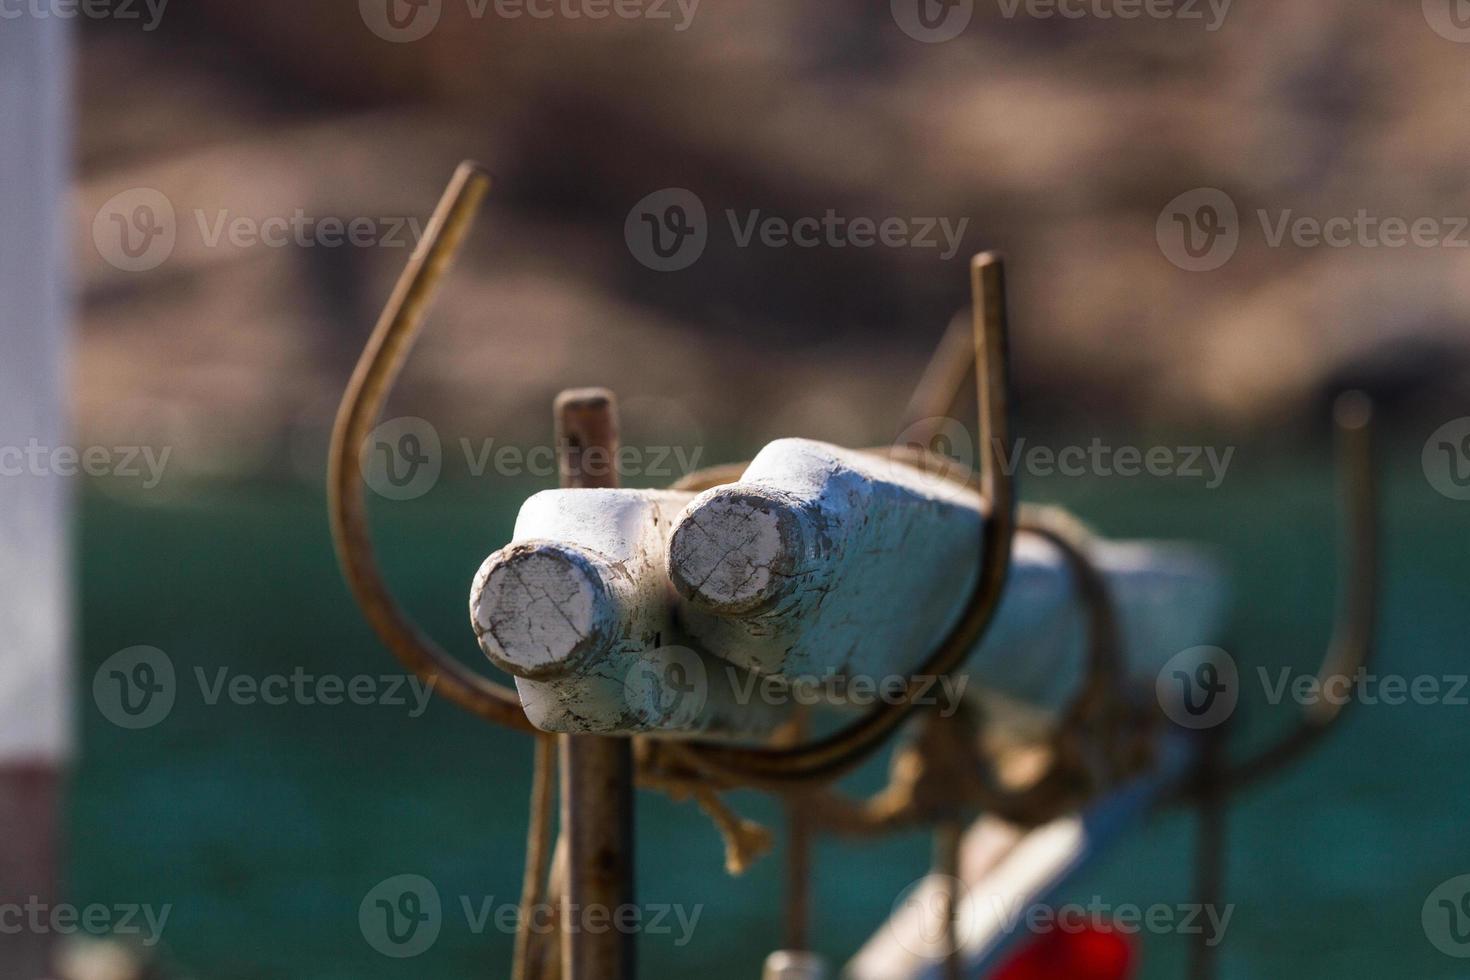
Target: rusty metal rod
[(372, 380), (798, 876), (1354, 630), (529, 953), (596, 772), (947, 837)]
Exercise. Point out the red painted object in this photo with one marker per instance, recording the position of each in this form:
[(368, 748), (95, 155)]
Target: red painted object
[(1092, 954)]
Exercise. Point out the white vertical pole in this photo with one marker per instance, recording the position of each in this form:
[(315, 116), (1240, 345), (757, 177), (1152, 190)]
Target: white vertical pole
[(35, 596)]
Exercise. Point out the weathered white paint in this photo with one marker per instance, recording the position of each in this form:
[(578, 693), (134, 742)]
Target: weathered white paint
[(578, 607), (823, 561), (623, 611), (541, 605), (35, 590)]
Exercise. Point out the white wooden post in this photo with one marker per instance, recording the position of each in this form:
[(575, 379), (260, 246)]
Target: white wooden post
[(35, 591)]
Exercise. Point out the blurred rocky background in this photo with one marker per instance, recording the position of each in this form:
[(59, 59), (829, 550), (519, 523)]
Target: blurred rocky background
[(1059, 140)]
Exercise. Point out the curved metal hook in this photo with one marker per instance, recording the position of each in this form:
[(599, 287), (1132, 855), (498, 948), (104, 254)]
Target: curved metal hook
[(376, 370), (1351, 647), (1095, 742)]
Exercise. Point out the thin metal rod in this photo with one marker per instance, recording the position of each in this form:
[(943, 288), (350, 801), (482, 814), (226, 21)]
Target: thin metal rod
[(538, 848), (947, 837), (798, 875), (546, 953), (799, 856), (596, 772), (799, 841), (1210, 843)]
